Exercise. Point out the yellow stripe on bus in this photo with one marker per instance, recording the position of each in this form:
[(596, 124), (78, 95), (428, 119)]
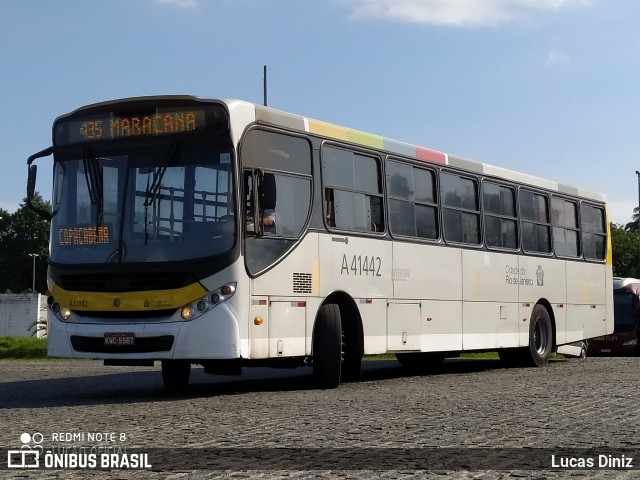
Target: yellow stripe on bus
[(128, 301), (609, 247)]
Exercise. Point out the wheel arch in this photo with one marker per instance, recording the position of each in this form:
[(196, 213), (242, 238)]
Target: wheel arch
[(547, 305), (351, 322)]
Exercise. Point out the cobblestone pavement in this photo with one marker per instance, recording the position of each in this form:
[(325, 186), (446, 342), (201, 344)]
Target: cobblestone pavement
[(470, 419)]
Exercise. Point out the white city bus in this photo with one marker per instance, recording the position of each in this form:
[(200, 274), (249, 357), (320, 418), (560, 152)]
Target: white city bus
[(228, 234)]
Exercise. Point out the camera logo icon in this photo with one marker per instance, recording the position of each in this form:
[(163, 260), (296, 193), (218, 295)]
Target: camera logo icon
[(28, 456)]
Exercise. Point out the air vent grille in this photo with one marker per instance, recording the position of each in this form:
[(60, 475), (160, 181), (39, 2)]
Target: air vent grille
[(301, 283)]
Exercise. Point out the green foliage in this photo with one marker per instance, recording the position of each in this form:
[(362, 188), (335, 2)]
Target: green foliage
[(633, 225), (626, 251), (23, 233), (23, 347)]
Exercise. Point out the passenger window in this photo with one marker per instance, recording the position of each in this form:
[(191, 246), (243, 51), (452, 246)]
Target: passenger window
[(353, 190), (461, 211), (412, 207), (564, 215), (536, 229), (500, 222), (594, 236)]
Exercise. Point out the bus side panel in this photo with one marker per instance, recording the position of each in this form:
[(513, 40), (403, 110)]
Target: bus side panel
[(490, 284), (560, 315), (287, 327), (259, 328), (362, 268), (432, 273), (441, 326), (586, 300), (284, 279), (283, 298), (541, 278), (374, 324), (359, 266), (610, 317), (426, 272), (403, 325)]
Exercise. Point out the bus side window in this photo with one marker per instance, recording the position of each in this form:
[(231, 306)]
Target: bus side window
[(353, 190)]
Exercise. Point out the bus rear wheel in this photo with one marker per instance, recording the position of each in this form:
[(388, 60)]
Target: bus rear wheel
[(540, 336), (327, 346), (540, 342), (175, 374)]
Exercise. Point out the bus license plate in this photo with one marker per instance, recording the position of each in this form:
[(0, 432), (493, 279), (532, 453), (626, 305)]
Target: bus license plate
[(119, 339)]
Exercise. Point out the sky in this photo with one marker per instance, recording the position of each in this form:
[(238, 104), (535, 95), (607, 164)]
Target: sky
[(549, 88)]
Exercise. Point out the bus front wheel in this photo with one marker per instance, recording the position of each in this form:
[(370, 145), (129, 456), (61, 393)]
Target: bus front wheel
[(175, 374), (327, 346)]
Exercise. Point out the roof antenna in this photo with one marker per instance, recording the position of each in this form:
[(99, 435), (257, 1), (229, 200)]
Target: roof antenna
[(265, 85)]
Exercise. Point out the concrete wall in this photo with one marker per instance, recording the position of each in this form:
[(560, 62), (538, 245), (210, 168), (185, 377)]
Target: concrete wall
[(19, 311)]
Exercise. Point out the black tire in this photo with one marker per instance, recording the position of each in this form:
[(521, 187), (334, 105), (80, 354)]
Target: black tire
[(327, 347), (420, 361), (540, 343), (175, 374), (540, 337)]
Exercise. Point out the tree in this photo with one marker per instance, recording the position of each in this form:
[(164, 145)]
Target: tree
[(633, 225), (626, 251), (23, 233)]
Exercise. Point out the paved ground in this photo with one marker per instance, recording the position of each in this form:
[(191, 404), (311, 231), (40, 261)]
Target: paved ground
[(469, 419)]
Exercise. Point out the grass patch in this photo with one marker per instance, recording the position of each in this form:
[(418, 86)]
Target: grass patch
[(23, 347), (481, 355)]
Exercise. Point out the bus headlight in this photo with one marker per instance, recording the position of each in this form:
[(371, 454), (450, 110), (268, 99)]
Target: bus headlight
[(65, 313), (187, 312), (203, 305)]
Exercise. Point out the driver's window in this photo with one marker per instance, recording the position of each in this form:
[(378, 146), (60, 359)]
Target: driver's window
[(282, 203), (276, 194)]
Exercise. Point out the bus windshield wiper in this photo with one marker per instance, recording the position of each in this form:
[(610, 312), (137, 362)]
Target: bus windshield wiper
[(93, 177), (153, 189)]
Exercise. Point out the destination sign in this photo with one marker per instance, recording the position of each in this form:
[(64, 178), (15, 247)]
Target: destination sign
[(112, 127), (83, 235)]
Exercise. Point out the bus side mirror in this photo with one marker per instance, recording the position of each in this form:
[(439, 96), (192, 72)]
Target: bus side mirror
[(31, 183)]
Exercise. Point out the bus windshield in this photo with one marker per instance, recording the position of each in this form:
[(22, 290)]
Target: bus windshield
[(169, 201)]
